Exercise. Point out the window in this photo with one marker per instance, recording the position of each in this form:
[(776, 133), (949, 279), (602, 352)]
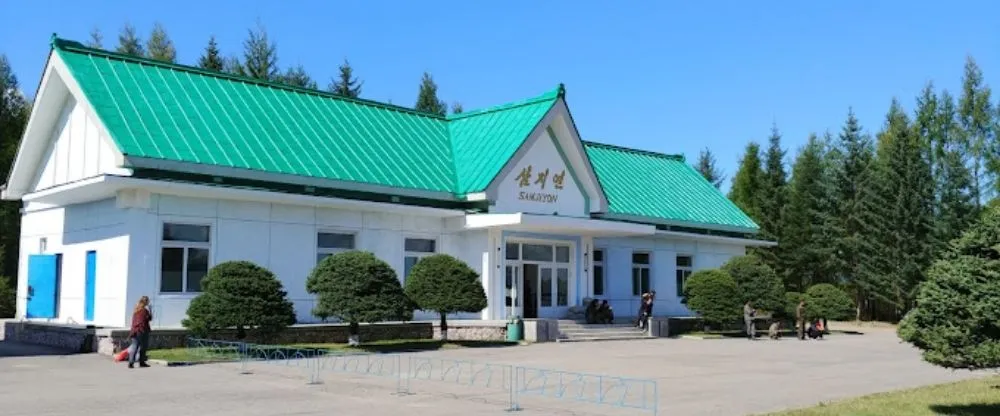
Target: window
[(640, 273), (416, 248), (683, 271), (546, 286), (513, 251), (562, 254), (184, 257), (598, 272), (328, 244), (536, 252), (562, 286)]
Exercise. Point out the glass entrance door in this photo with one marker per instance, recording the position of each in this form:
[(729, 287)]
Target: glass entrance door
[(513, 286), (530, 291)]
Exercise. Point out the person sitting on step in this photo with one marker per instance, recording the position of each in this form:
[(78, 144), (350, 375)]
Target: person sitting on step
[(773, 331), (605, 315), (591, 313)]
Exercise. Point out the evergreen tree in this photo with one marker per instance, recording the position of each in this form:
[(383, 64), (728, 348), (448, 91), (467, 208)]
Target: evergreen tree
[(905, 242), (212, 58), (976, 116), (427, 99), (96, 39), (297, 77), (456, 108), (346, 84), (260, 56), (232, 65), (807, 261), (773, 197), (14, 109), (160, 47), (936, 123), (129, 42), (745, 191), (707, 167), (856, 197)]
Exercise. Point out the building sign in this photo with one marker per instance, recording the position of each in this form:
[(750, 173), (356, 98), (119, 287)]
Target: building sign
[(539, 186)]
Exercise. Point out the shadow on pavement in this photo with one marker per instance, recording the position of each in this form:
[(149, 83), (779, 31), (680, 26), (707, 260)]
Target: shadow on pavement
[(978, 409), (17, 349)]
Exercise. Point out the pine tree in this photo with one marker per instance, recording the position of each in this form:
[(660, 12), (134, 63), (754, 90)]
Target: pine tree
[(905, 241), (160, 47), (456, 108), (14, 109), (807, 259), (773, 198), (96, 39), (956, 209), (427, 100), (976, 116), (129, 42), (297, 77), (232, 65), (212, 58), (346, 84), (260, 56), (707, 167), (856, 197), (745, 191)]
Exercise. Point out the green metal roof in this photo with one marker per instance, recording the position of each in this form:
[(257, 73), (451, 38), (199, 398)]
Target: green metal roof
[(655, 186), (160, 111)]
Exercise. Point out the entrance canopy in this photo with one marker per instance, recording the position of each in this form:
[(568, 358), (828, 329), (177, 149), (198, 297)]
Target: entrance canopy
[(555, 225)]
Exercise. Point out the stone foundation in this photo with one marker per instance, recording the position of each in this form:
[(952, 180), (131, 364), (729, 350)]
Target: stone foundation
[(108, 341)]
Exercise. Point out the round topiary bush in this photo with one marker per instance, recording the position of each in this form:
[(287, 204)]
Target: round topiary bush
[(240, 295), (444, 284), (355, 287), (713, 295), (757, 282), (826, 301), (956, 322)]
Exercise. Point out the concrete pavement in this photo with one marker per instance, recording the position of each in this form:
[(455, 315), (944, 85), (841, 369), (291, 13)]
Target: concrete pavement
[(694, 377)]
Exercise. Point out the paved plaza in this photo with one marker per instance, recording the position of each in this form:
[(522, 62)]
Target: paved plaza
[(694, 377)]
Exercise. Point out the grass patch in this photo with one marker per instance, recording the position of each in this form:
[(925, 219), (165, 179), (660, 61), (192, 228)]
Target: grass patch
[(205, 354), (978, 397)]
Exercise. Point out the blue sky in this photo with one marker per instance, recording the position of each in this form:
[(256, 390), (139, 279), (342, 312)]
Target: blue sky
[(659, 75)]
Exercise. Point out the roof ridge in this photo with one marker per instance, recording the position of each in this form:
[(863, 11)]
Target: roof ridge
[(74, 46), (548, 95), (676, 156)]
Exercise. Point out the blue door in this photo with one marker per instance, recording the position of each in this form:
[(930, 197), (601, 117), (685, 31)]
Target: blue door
[(42, 275), (90, 286)]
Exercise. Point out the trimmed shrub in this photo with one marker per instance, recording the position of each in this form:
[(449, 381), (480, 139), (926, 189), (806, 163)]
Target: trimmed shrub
[(826, 301), (757, 282), (355, 287), (444, 284), (956, 322), (8, 297), (241, 295), (713, 294)]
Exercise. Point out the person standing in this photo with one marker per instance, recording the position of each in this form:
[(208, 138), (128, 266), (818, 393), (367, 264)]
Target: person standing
[(800, 317), (748, 315), (139, 334)]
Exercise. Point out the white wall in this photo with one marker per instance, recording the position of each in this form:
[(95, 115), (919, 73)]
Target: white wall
[(76, 134), (281, 238), (72, 231), (542, 155), (664, 252)]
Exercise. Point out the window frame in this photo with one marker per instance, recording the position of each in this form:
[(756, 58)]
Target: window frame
[(418, 254), (594, 264), (186, 246), (688, 270), (331, 251), (637, 291)]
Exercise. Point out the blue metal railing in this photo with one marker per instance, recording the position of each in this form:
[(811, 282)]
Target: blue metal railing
[(517, 382)]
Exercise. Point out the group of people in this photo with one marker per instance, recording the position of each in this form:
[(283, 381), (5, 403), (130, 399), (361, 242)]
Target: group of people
[(599, 312), (814, 330)]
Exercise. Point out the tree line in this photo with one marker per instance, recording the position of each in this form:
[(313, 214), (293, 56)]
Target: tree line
[(871, 213), (259, 60)]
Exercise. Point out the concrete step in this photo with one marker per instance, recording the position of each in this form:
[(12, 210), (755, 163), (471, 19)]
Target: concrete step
[(596, 332), (605, 338)]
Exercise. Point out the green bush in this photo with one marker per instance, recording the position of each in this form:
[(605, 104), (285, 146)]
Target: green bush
[(241, 295), (956, 321), (792, 303), (444, 284), (713, 294), (8, 297), (757, 282), (826, 301), (355, 287)]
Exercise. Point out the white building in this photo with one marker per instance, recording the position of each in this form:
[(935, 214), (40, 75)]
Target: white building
[(137, 176)]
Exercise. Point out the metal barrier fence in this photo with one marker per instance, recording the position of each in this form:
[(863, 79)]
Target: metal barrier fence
[(516, 382)]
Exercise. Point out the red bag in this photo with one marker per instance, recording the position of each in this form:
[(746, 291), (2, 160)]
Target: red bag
[(121, 356)]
